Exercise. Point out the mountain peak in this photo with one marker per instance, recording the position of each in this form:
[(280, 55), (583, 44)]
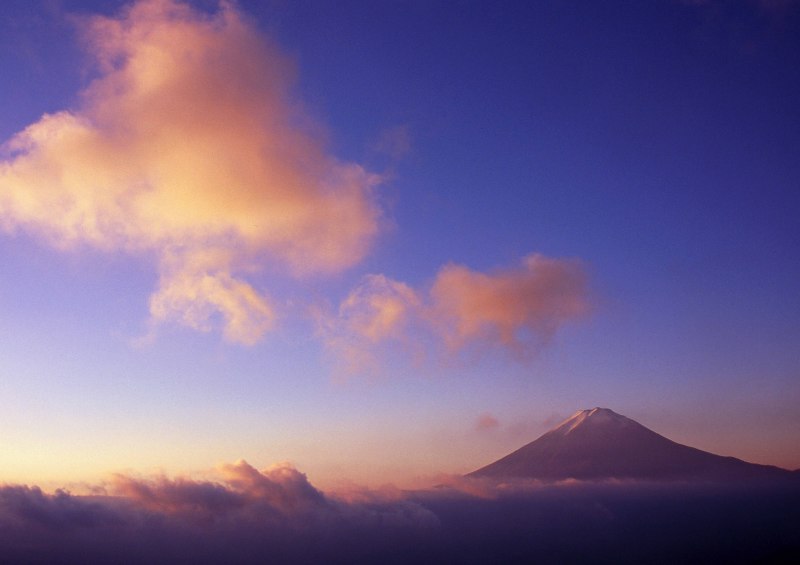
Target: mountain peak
[(591, 417), (598, 443)]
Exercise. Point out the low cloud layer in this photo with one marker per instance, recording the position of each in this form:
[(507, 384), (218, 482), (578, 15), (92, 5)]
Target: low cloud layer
[(189, 149), (277, 516), (247, 515), (516, 309)]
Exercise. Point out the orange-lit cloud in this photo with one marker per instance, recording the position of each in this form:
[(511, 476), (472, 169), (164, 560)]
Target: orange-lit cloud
[(188, 148), (378, 311), (515, 309), (282, 488), (510, 307)]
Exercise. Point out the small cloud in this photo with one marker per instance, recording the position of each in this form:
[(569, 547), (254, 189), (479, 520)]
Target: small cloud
[(512, 308), (378, 311), (516, 310), (486, 421), (379, 308)]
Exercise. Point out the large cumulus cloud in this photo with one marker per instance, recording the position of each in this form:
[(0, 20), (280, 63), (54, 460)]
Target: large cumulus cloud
[(188, 147)]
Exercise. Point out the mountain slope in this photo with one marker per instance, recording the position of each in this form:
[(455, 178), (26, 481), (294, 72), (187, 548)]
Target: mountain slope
[(599, 444)]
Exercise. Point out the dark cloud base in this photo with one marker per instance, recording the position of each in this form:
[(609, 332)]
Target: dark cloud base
[(574, 523)]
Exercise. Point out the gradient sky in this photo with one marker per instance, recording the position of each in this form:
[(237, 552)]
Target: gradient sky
[(386, 240)]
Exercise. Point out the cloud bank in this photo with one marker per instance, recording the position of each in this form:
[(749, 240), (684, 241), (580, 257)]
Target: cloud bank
[(277, 516), (188, 148), (248, 516)]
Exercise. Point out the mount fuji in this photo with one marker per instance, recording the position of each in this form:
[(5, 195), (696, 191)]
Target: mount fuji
[(601, 444)]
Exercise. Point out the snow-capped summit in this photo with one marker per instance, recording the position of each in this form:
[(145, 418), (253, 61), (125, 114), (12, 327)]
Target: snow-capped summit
[(599, 443), (592, 417)]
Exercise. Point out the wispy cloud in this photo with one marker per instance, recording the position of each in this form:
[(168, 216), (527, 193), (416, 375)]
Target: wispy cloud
[(189, 149), (516, 309), (378, 312), (486, 421)]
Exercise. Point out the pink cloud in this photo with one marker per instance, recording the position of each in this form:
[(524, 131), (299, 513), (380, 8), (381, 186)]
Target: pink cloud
[(281, 488), (378, 311), (509, 307), (486, 422), (188, 148), (515, 310)]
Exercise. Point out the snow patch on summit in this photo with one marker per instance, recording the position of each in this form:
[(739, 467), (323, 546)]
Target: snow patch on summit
[(591, 416)]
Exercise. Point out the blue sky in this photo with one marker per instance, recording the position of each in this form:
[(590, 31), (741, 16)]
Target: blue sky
[(654, 145)]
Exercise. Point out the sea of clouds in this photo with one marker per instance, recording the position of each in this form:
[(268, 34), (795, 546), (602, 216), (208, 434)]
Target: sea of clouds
[(277, 516)]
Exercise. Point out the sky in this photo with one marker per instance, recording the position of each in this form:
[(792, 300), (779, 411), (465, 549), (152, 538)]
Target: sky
[(382, 241)]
